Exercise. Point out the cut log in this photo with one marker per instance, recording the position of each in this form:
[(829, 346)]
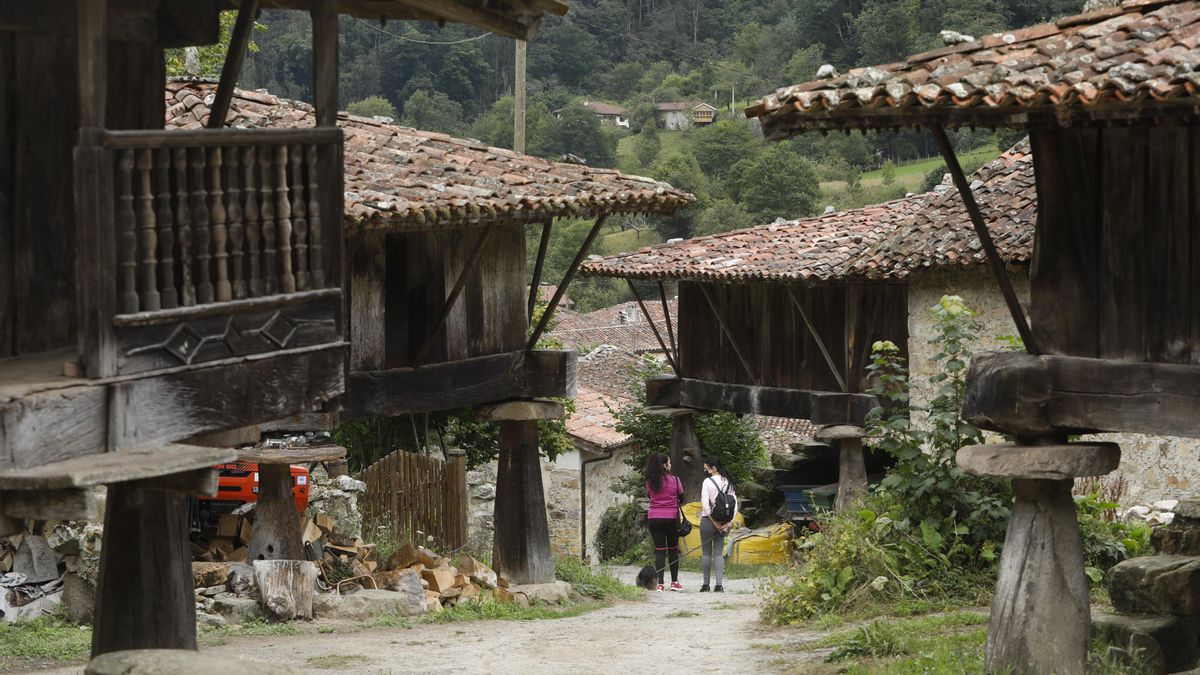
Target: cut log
[(286, 587), (439, 580)]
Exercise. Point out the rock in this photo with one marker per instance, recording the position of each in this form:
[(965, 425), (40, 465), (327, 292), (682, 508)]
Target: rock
[(1176, 539), (484, 492), (838, 432), (951, 37), (407, 583), (1047, 462), (753, 491), (1188, 509), (403, 557), (1165, 504), (78, 599), (348, 484), (553, 593), (1164, 643), (180, 662), (241, 580), (205, 619), (785, 461), (341, 507), (238, 610), (1158, 584), (370, 603), (826, 72), (206, 574), (476, 571), (428, 558)]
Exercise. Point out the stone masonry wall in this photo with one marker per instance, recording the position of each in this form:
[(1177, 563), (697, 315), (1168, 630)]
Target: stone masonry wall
[(602, 479), (560, 482), (1152, 467), (481, 509)]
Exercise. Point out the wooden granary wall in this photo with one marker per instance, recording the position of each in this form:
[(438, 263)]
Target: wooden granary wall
[(773, 338)]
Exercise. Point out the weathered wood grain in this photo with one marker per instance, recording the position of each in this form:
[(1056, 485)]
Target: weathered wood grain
[(297, 455), (66, 504), (286, 588), (276, 534), (852, 475), (818, 406), (521, 550), (687, 456), (50, 426), (114, 467)]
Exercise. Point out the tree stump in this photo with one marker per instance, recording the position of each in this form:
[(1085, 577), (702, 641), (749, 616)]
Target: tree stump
[(687, 460), (286, 588), (276, 534), (144, 595), (521, 548), (1041, 619)]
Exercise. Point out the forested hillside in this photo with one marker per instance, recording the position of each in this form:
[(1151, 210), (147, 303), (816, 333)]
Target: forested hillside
[(637, 53)]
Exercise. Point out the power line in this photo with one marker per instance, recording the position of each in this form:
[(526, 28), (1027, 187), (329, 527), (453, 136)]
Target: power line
[(416, 41), (660, 48)]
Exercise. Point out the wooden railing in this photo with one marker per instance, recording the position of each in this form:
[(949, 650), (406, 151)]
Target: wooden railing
[(214, 216), (411, 494)]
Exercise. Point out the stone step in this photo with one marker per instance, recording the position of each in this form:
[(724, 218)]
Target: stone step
[(1157, 584), (1164, 643), (1178, 538)]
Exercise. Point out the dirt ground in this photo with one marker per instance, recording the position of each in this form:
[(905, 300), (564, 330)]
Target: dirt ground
[(670, 632)]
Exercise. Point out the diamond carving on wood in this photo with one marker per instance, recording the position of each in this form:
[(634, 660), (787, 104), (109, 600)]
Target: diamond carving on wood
[(183, 343), (279, 329)]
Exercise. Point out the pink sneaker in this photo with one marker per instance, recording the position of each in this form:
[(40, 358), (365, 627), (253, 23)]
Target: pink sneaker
[(676, 586), (660, 588)]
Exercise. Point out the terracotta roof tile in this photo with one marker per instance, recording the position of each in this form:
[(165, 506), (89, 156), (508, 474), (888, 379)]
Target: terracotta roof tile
[(399, 178), (885, 241), (622, 326), (1140, 53)]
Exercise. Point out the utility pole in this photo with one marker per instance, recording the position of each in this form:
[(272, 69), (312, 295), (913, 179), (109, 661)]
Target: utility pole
[(519, 100)]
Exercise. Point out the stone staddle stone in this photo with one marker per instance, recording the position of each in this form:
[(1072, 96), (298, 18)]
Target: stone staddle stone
[(1046, 462), (179, 662)]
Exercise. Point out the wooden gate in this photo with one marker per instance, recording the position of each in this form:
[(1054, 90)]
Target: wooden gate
[(414, 493)]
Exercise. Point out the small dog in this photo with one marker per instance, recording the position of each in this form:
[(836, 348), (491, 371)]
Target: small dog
[(647, 578)]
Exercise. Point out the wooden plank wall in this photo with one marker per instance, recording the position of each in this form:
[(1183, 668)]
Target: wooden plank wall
[(413, 493), (7, 168), (1114, 272), (774, 339), (421, 270)]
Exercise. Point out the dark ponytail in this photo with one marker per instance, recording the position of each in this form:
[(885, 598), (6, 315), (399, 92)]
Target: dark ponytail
[(656, 470), (715, 462)]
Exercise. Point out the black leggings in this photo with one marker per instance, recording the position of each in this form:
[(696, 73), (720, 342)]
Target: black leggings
[(666, 542)]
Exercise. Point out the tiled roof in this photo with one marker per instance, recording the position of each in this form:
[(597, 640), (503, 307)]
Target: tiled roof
[(602, 108), (399, 178), (622, 326), (593, 420), (675, 105), (811, 250), (886, 241), (778, 433), (1143, 52), (941, 233)]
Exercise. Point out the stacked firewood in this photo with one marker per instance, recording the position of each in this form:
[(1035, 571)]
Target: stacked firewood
[(447, 583)]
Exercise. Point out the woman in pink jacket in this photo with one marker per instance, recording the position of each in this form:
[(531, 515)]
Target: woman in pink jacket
[(665, 492)]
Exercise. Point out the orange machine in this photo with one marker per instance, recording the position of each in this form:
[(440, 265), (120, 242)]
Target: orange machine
[(238, 484)]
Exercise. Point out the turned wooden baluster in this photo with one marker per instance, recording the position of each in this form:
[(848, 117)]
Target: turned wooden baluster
[(127, 241), (314, 222), (146, 223), (166, 233), (183, 229), (267, 213), (253, 227), (201, 230), (237, 231), (283, 220), (220, 236), (299, 223)]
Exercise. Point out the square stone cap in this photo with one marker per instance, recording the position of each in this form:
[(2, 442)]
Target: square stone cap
[(1050, 462)]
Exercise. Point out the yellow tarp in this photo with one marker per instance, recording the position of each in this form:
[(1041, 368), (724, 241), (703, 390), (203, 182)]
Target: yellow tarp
[(764, 546)]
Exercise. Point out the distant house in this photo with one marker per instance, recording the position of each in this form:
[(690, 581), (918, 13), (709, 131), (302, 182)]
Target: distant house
[(608, 113), (678, 115)]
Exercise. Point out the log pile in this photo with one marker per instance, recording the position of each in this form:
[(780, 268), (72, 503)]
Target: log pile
[(446, 582), (231, 543)]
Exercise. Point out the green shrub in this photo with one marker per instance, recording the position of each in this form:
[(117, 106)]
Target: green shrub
[(876, 639), (590, 582), (1107, 541), (621, 529)]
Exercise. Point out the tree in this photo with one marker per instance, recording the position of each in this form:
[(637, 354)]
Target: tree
[(777, 183), (646, 147), (433, 112), (495, 127), (724, 215), (209, 59), (575, 130), (886, 31), (372, 106), (721, 145), (889, 172)]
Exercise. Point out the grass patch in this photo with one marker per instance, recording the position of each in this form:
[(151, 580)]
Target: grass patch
[(490, 610), (335, 661), (722, 605), (597, 584), (682, 614), (42, 641), (906, 628), (616, 241), (219, 635)]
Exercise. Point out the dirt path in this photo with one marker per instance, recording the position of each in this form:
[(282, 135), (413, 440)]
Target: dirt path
[(669, 632)]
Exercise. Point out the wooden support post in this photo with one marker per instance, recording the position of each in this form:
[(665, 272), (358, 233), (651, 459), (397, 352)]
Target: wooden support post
[(144, 596), (536, 281), (234, 56), (276, 534), (985, 239), (1041, 619), (653, 328), (852, 475), (324, 15), (687, 457), (521, 549), (566, 281)]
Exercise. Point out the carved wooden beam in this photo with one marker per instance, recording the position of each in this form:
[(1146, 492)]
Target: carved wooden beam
[(819, 406)]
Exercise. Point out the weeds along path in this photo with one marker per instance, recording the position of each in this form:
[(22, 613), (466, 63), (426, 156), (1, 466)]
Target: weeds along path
[(669, 632)]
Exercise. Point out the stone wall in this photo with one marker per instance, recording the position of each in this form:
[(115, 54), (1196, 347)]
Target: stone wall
[(560, 483), (481, 509), (602, 487), (1152, 467)]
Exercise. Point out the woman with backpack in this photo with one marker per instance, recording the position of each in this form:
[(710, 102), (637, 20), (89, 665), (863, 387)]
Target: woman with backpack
[(718, 506), (665, 492)]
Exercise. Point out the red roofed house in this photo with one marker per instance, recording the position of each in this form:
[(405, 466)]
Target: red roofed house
[(608, 113), (677, 115)]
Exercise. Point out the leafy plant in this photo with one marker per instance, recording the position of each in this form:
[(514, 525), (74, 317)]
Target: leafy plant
[(1106, 540), (597, 584), (621, 529), (876, 639)]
